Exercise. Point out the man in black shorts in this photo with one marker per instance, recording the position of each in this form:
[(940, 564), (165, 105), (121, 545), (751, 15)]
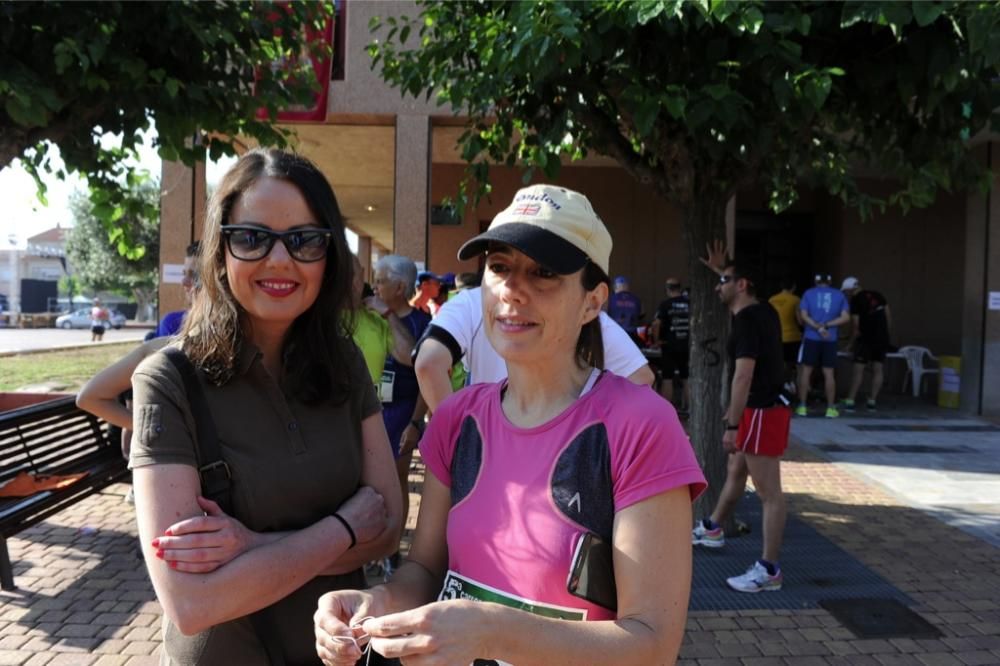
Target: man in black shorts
[(871, 322), (670, 330)]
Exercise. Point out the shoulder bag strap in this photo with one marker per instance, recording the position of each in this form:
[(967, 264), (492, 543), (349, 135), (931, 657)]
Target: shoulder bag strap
[(215, 479), (212, 468)]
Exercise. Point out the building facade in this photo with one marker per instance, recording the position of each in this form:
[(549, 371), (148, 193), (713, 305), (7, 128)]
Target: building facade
[(392, 160)]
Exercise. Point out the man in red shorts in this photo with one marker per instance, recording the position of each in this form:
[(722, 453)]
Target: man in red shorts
[(757, 422)]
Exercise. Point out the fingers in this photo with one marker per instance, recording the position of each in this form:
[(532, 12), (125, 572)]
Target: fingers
[(191, 555), (194, 539), (194, 567), (210, 507), (198, 524)]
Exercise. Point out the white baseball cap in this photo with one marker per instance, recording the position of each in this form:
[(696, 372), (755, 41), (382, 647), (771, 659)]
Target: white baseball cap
[(555, 226), (849, 283)]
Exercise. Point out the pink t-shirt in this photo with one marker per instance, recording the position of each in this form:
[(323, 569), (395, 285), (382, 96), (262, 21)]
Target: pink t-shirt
[(522, 497)]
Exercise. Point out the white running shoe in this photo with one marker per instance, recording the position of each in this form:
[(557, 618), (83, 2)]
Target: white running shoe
[(756, 579), (708, 538)]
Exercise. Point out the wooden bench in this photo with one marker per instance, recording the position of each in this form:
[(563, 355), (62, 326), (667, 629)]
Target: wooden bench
[(54, 437)]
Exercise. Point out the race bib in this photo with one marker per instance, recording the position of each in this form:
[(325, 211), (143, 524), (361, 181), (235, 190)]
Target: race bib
[(385, 386), (457, 586)]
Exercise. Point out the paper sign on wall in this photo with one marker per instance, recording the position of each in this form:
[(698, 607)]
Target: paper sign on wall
[(172, 274), (994, 300)]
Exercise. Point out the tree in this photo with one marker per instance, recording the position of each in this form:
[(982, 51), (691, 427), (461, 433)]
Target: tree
[(98, 265), (75, 70), (70, 286), (700, 99)]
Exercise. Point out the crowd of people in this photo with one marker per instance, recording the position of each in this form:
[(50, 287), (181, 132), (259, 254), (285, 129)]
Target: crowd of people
[(274, 421)]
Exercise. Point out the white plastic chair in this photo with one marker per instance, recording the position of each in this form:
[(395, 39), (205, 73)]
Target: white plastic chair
[(915, 369)]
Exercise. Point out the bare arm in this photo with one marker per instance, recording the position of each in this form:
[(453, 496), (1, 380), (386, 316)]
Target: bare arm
[(855, 328), (654, 332), (202, 544), (644, 376), (197, 601), (99, 396), (431, 366), (841, 319), (649, 537), (402, 341), (740, 392)]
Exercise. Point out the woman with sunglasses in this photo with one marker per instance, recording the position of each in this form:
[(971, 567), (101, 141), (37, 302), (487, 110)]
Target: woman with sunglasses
[(562, 493), (304, 453)]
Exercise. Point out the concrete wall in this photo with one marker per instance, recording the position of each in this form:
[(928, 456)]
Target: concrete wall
[(362, 91), (914, 259)]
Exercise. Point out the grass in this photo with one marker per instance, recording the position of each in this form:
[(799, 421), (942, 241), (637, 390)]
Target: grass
[(69, 369)]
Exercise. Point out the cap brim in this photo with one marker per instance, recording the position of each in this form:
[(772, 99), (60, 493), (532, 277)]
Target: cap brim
[(554, 253)]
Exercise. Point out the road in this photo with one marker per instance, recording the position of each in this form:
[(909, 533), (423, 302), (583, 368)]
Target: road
[(24, 339)]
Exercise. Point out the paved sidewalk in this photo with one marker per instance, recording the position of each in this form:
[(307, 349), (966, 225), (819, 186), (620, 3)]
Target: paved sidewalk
[(84, 598)]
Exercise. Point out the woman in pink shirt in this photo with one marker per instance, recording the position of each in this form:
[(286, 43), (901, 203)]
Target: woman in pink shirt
[(528, 473)]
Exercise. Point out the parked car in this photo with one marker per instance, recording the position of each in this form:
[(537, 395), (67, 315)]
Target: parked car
[(81, 319)]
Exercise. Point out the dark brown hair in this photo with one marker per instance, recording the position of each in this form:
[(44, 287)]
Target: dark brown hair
[(315, 357), (743, 272), (590, 344)]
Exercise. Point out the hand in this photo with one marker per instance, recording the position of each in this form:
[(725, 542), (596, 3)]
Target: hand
[(337, 620), (439, 633), (378, 305), (729, 441), (824, 332), (715, 257), (204, 543), (408, 440), (365, 512)]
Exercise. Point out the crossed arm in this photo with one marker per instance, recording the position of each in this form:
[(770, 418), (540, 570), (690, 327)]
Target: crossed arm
[(179, 541)]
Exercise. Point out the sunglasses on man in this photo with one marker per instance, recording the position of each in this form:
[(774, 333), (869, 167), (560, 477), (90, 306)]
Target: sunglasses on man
[(250, 243)]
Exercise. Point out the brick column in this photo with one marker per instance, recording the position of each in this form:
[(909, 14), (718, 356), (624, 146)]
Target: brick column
[(182, 218), (411, 208)]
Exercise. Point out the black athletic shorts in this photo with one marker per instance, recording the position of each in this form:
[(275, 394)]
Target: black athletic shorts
[(870, 352), (673, 362), (790, 351)]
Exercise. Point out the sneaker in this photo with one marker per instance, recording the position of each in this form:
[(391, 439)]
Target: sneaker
[(756, 579), (700, 536), (848, 405), (832, 413), (870, 406), (801, 411)]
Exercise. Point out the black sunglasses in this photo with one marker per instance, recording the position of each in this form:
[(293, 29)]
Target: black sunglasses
[(250, 243)]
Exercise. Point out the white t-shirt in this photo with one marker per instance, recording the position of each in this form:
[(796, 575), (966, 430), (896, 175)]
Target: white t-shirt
[(462, 318)]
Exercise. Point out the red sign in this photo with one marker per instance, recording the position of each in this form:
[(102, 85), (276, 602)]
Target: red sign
[(322, 66)]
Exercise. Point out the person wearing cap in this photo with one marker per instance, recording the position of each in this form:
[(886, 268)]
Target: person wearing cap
[(625, 307), (671, 330), (427, 288), (522, 470), (757, 425), (871, 323), (822, 309)]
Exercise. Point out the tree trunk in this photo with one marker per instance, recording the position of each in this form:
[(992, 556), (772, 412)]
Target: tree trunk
[(142, 299), (705, 222)]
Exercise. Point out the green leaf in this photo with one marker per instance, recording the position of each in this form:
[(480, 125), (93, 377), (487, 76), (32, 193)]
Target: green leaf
[(926, 12)]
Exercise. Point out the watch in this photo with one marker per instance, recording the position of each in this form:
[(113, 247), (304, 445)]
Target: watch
[(732, 427)]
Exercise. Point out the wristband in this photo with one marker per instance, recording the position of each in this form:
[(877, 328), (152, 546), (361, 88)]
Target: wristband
[(732, 427), (347, 526)]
